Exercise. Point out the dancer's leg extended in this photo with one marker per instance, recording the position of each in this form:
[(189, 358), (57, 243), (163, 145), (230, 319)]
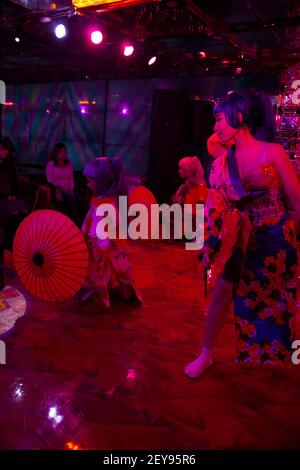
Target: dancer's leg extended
[(216, 317)]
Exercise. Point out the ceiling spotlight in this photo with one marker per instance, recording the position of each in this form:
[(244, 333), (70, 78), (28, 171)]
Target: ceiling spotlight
[(17, 39), (128, 50), (74, 13), (152, 60), (60, 31), (124, 110), (96, 37), (202, 55)]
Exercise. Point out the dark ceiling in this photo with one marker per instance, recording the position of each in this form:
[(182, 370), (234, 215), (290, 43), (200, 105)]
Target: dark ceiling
[(238, 37)]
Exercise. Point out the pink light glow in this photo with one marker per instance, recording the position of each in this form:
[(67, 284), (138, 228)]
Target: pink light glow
[(131, 374), (96, 37), (124, 111), (128, 50)]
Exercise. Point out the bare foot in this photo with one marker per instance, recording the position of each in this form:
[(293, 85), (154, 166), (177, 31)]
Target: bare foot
[(198, 366)]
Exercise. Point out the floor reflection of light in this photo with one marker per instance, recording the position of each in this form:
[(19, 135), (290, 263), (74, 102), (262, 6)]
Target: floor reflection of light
[(72, 446), (18, 391), (53, 416), (131, 374), (109, 393), (52, 412)]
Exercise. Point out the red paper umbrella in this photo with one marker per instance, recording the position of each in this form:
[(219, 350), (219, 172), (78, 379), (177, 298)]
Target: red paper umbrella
[(50, 255), (142, 195)]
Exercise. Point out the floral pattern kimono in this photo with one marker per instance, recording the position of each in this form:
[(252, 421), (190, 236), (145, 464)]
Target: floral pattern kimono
[(250, 241), (109, 269)]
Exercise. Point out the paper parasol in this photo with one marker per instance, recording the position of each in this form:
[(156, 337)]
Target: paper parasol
[(50, 255)]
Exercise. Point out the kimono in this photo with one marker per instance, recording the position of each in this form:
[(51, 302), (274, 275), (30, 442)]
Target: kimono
[(109, 267), (250, 242)]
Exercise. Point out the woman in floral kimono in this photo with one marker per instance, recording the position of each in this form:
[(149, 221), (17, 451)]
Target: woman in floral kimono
[(110, 270), (250, 244)]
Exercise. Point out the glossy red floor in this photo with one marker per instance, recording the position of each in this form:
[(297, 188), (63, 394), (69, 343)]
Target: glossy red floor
[(76, 376)]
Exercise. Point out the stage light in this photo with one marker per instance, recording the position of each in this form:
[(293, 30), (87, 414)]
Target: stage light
[(17, 39), (96, 37), (60, 31), (128, 50), (124, 111), (111, 3), (152, 60), (202, 54)]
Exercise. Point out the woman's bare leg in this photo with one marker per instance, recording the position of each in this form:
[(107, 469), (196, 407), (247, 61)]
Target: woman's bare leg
[(216, 317)]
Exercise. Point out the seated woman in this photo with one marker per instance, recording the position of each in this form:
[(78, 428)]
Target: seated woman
[(60, 174)]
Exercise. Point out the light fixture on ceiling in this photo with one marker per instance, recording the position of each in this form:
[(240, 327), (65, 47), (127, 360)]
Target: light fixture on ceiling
[(128, 50), (60, 31), (152, 60), (96, 37)]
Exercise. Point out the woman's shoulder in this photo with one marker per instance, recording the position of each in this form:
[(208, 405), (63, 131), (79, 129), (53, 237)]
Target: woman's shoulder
[(271, 152)]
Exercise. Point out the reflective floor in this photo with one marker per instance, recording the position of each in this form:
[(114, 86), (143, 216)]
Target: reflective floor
[(78, 377)]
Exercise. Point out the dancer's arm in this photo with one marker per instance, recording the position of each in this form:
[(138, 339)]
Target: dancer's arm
[(288, 175)]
